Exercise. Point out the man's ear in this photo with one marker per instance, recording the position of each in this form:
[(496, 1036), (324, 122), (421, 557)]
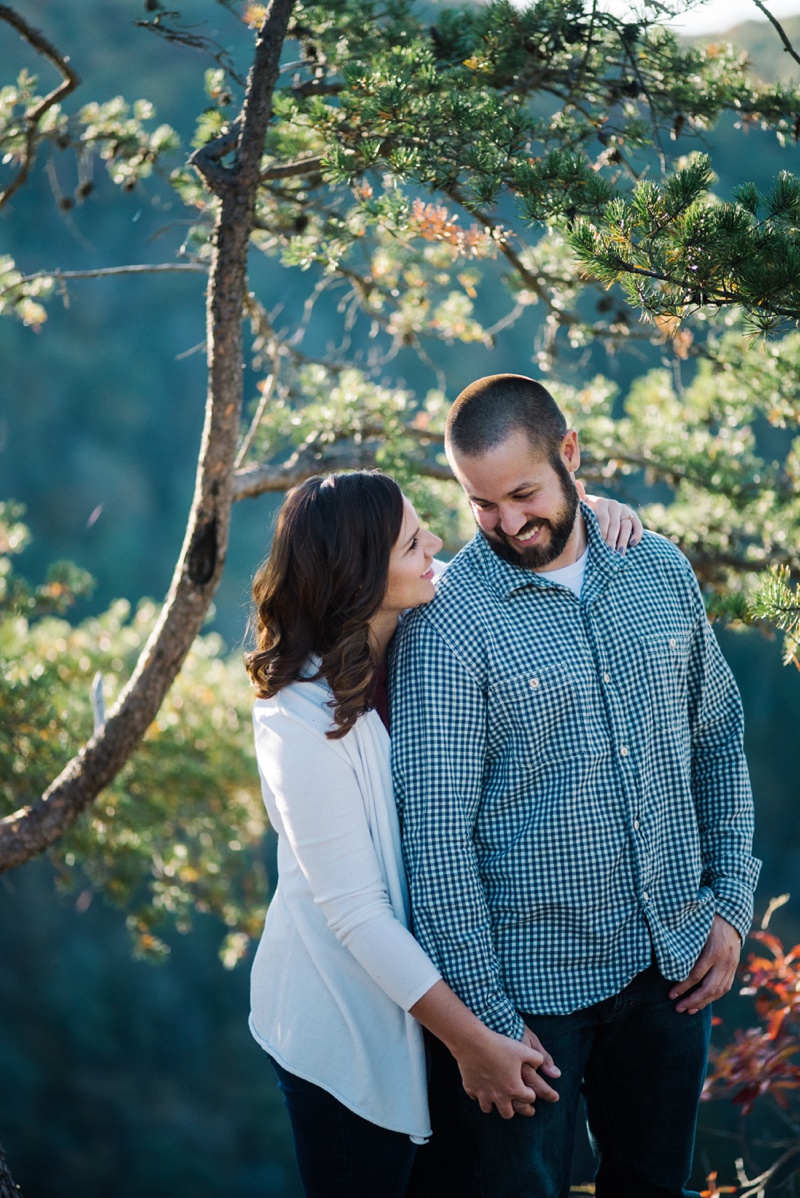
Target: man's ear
[(570, 450)]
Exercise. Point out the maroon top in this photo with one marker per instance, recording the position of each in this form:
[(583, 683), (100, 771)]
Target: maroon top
[(379, 695)]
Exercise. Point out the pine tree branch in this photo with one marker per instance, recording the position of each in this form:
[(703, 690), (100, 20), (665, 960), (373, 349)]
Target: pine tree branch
[(30, 830), (70, 81), (512, 257)]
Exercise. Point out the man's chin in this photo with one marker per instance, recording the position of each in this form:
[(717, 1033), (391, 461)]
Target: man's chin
[(534, 558)]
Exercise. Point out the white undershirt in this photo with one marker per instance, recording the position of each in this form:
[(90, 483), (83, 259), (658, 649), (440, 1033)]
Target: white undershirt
[(569, 576)]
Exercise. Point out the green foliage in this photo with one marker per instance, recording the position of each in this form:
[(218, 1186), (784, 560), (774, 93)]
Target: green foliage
[(65, 582), (675, 250), (114, 130), (779, 603), (179, 830)]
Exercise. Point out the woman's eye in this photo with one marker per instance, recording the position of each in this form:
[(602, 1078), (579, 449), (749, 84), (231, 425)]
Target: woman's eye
[(414, 544)]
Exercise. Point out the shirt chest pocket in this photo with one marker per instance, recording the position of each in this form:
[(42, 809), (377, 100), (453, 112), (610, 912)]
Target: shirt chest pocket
[(535, 716), (666, 665)]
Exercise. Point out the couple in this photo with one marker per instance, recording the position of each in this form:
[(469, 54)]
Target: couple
[(567, 765)]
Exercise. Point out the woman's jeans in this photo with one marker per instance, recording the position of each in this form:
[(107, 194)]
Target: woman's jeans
[(641, 1068), (340, 1154)]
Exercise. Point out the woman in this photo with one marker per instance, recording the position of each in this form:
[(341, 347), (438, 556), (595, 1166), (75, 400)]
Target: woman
[(340, 989)]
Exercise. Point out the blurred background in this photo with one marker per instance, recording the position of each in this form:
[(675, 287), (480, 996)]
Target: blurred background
[(120, 1076)]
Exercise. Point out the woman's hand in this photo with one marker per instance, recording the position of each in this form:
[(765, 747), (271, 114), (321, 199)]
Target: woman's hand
[(619, 524), (491, 1069)]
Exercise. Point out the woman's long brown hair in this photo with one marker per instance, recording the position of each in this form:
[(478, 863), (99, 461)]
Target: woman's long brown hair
[(325, 578)]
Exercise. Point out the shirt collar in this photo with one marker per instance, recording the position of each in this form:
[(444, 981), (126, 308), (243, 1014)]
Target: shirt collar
[(504, 579)]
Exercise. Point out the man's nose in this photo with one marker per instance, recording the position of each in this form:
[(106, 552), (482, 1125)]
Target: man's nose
[(510, 519)]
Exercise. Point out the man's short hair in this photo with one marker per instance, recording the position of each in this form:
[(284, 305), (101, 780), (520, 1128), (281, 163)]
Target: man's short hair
[(491, 408)]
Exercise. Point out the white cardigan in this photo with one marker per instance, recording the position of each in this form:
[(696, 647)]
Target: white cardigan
[(337, 970)]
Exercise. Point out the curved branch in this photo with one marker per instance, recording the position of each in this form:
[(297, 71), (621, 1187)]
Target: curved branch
[(70, 81), (787, 45), (30, 830)]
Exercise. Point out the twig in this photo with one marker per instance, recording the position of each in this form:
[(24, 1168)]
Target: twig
[(98, 702), (267, 392), (62, 276), (69, 83), (787, 45), (195, 41)]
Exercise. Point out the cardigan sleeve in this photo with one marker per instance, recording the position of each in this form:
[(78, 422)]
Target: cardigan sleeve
[(322, 816)]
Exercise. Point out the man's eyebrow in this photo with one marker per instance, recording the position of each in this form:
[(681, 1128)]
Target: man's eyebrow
[(526, 486)]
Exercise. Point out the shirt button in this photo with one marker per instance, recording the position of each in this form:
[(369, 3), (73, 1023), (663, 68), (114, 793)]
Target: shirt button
[(672, 642), (534, 683), (645, 895), (636, 825), (623, 752), (606, 678)]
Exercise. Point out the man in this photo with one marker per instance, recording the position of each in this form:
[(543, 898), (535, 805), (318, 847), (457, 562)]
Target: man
[(576, 810)]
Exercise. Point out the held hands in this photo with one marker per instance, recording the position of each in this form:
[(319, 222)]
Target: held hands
[(535, 1077), (620, 527), (714, 970), (492, 1069)]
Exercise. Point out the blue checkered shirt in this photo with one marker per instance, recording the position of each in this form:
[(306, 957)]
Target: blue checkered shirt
[(570, 776)]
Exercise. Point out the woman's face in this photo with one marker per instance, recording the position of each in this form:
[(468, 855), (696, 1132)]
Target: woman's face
[(410, 580)]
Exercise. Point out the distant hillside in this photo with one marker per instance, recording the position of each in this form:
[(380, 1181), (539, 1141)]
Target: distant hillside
[(768, 58)]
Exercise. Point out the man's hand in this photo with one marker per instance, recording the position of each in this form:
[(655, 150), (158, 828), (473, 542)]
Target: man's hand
[(713, 971), (533, 1077)]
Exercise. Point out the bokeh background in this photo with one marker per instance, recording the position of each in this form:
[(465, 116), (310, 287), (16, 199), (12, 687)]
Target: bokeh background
[(118, 1076)]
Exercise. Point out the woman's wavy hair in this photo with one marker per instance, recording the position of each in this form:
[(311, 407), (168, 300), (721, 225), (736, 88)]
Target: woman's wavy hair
[(325, 578)]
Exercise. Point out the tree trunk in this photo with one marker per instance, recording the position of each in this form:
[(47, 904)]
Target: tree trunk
[(30, 830)]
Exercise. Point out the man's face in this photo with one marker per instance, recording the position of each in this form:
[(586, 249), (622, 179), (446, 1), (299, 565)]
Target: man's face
[(523, 504)]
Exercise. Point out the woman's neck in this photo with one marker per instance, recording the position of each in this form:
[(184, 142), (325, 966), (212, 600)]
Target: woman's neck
[(381, 630)]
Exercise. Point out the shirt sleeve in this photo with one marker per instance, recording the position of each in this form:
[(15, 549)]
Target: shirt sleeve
[(720, 779), (438, 755), (322, 816)]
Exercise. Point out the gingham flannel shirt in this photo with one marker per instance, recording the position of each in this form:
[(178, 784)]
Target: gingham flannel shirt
[(570, 777)]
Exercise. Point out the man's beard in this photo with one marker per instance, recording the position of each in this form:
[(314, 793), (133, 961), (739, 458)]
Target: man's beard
[(536, 557)]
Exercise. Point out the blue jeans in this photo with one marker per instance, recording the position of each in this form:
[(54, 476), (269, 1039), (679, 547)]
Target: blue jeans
[(340, 1154), (640, 1066)]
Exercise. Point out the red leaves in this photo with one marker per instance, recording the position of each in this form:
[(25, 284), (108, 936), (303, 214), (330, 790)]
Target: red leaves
[(760, 1060), (714, 1190)]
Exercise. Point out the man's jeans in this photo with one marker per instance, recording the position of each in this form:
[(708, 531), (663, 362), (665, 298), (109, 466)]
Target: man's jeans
[(641, 1067)]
